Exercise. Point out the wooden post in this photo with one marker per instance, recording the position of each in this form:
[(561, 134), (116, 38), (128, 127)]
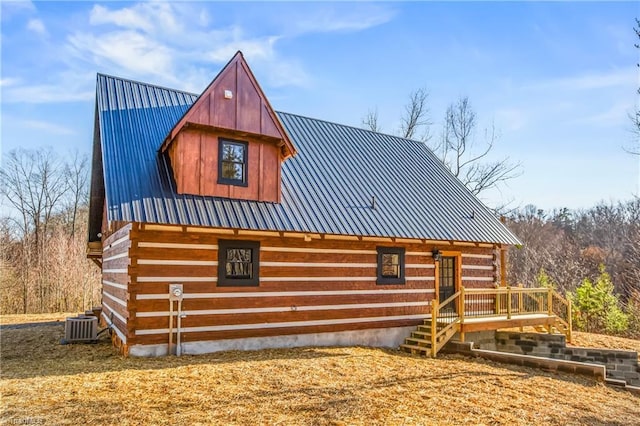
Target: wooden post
[(539, 303), (503, 259), (436, 281), (503, 267), (520, 303), (462, 311), (508, 302), (550, 308), (434, 326)]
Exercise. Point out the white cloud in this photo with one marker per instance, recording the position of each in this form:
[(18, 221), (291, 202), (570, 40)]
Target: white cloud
[(289, 73), (149, 40), (257, 49), (37, 26), (511, 119), (45, 93), (9, 81), (178, 45), (591, 81), (614, 114), (46, 126), (148, 17), (203, 18), (128, 50), (9, 8), (336, 17), (68, 86)]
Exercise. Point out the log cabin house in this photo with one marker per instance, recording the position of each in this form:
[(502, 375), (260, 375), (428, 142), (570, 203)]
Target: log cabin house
[(221, 224)]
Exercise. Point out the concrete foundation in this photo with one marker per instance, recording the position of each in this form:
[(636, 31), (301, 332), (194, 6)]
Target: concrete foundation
[(376, 337)]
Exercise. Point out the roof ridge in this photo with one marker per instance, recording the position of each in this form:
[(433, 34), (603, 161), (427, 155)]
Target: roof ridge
[(157, 86), (353, 127)]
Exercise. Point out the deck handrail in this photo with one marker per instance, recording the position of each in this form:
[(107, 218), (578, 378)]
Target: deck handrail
[(562, 309), (444, 318)]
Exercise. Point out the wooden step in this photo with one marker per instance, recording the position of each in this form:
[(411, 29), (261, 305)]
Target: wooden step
[(425, 328), (413, 349), (427, 322), (418, 341), (427, 336)]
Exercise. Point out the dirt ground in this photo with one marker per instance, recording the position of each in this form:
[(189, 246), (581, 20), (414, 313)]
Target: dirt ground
[(43, 382)]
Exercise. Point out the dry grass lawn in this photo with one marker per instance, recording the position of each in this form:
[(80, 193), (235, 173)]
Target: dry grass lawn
[(43, 382), (34, 318)]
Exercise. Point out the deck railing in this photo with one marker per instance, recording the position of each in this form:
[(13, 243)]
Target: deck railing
[(507, 301)]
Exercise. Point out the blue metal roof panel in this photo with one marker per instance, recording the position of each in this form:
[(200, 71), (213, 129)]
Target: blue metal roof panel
[(326, 188)]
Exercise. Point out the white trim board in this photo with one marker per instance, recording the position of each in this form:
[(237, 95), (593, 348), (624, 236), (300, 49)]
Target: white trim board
[(294, 308), (282, 324), (161, 296)]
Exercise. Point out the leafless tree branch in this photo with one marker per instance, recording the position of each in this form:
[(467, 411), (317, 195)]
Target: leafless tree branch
[(370, 121), (459, 152), (416, 115)]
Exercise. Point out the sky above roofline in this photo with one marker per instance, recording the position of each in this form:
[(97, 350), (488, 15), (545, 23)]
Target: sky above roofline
[(558, 80)]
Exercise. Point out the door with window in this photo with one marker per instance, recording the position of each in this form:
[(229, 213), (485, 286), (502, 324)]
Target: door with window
[(448, 278)]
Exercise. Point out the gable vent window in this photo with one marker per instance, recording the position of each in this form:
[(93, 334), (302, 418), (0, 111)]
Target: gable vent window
[(390, 265), (232, 162), (238, 263)]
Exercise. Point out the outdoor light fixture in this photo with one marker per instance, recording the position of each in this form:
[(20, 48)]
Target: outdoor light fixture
[(436, 255)]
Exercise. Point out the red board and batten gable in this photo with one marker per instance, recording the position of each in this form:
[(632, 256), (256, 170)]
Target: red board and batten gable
[(192, 145)]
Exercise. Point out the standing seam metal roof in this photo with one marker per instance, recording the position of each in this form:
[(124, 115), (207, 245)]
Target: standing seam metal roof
[(326, 188)]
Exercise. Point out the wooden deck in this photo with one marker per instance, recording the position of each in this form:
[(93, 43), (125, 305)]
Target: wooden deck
[(501, 321), (490, 309)]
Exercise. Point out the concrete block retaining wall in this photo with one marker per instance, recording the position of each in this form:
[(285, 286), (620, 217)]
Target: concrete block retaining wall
[(620, 365)]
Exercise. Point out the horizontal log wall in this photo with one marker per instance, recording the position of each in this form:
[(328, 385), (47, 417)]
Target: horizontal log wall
[(116, 262), (305, 287), (479, 268)]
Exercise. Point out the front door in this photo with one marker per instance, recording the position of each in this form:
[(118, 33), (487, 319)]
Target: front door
[(447, 278)]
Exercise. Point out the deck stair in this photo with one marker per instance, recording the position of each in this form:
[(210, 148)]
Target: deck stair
[(420, 341)]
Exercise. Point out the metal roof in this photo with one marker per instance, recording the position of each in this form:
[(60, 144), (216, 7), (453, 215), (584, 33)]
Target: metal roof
[(327, 187)]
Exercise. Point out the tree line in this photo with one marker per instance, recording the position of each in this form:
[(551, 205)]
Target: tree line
[(43, 266), (592, 255)]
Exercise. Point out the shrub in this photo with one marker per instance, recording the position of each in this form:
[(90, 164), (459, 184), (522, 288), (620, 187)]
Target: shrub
[(597, 308), (544, 280), (633, 313)]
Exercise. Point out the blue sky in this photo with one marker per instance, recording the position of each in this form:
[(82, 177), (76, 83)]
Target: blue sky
[(557, 79)]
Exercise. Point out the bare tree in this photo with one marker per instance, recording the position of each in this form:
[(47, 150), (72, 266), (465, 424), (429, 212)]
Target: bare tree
[(370, 121), (416, 115), (458, 150), (635, 116), (34, 183), (77, 173)]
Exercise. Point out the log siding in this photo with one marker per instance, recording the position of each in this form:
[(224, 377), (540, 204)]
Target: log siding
[(116, 249), (305, 287)]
